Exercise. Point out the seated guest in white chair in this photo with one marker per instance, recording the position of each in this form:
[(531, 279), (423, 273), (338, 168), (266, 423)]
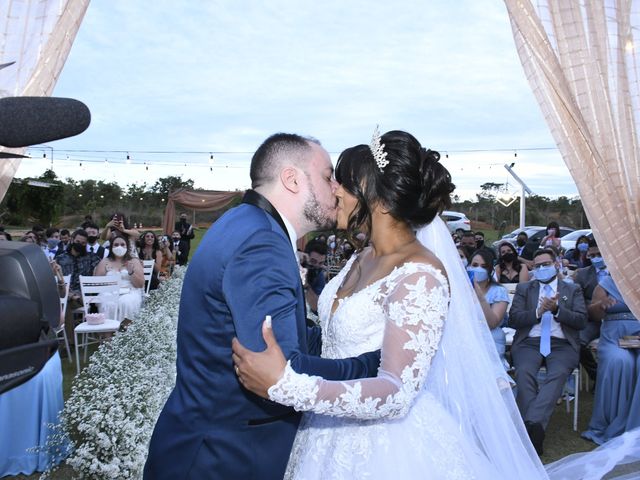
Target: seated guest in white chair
[(547, 314), (76, 261), (131, 274)]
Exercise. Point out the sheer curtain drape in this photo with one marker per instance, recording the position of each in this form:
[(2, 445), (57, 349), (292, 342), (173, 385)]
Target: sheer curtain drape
[(37, 35), (202, 201), (582, 61)]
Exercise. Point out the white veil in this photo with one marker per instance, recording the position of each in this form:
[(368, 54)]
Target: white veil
[(468, 378), (466, 374)]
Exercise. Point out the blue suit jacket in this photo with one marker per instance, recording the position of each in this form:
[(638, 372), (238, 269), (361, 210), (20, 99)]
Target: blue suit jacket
[(211, 427)]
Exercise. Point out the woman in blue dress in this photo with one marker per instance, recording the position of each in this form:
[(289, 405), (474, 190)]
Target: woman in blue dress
[(616, 407), (493, 298)]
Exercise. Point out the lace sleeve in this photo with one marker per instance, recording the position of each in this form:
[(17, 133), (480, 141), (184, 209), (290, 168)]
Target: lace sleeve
[(415, 303)]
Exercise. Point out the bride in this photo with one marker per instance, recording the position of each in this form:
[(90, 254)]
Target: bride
[(441, 405)]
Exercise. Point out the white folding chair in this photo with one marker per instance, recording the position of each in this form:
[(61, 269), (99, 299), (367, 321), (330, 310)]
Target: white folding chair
[(148, 266), (63, 311), (96, 289)]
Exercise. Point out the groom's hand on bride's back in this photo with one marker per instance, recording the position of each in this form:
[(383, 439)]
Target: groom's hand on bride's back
[(257, 371)]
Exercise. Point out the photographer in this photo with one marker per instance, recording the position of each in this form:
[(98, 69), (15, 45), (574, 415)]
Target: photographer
[(316, 254)]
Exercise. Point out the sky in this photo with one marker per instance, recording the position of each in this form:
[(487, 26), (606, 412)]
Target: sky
[(215, 78)]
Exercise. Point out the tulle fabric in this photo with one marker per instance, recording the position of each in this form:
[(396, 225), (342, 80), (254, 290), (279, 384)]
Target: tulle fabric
[(467, 377)]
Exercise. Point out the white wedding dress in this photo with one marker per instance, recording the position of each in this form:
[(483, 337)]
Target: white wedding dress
[(388, 426)]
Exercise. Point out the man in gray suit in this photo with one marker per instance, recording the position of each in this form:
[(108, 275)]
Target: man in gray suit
[(547, 314)]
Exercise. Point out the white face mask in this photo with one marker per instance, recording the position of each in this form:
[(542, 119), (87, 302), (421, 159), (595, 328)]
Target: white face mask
[(119, 251)]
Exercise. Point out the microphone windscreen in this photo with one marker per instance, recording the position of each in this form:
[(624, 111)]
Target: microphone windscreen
[(26, 121)]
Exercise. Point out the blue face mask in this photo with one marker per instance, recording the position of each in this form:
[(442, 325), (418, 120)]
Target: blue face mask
[(478, 274), (583, 247), (545, 274), (598, 262), (52, 243)]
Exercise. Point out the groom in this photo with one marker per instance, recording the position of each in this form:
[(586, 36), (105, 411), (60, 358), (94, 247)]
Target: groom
[(246, 268)]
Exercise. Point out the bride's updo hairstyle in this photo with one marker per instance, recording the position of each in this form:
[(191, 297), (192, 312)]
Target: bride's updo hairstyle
[(413, 186)]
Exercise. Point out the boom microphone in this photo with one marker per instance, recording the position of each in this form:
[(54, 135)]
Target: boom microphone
[(26, 121)]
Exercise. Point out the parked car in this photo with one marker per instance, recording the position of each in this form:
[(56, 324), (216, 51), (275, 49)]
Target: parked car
[(535, 234), (569, 240), (456, 220)]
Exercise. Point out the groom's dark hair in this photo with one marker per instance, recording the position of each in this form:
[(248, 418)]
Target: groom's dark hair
[(274, 151)]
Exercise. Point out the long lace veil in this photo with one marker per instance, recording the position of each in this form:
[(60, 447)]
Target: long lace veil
[(467, 377)]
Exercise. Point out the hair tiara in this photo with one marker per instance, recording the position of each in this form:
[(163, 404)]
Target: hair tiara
[(377, 150)]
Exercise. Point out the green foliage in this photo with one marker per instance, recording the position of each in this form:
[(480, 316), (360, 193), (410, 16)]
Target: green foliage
[(35, 200)]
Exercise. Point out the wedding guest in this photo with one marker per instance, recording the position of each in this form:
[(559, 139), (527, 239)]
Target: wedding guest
[(93, 232), (347, 251), (493, 298), (180, 248), (29, 237), (52, 248), (468, 242), (521, 241), (76, 261), (186, 235), (462, 252), (547, 314), (39, 230), (552, 238), (150, 249), (509, 268), (588, 279), (64, 239), (616, 406), (118, 223), (577, 257), (316, 277), (121, 264)]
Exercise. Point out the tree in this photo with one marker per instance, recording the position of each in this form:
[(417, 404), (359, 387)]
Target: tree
[(165, 185)]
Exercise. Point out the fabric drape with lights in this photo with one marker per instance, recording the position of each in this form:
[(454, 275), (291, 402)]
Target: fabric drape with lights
[(581, 59), (37, 36), (201, 201)]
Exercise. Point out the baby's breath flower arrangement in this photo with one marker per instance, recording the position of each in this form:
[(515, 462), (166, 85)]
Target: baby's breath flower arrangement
[(115, 401)]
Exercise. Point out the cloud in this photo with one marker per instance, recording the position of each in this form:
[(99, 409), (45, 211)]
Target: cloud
[(223, 75)]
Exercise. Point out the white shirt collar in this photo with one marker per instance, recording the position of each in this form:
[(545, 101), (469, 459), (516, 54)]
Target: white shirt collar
[(553, 284), (291, 232)]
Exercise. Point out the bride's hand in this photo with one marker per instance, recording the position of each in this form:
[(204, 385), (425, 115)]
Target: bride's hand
[(257, 371)]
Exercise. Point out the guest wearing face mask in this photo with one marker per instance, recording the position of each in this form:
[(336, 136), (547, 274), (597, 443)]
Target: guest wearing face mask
[(509, 268), (588, 278), (462, 252), (493, 298), (552, 238), (53, 248), (577, 257), (93, 232), (547, 314), (76, 261), (479, 239), (129, 271)]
